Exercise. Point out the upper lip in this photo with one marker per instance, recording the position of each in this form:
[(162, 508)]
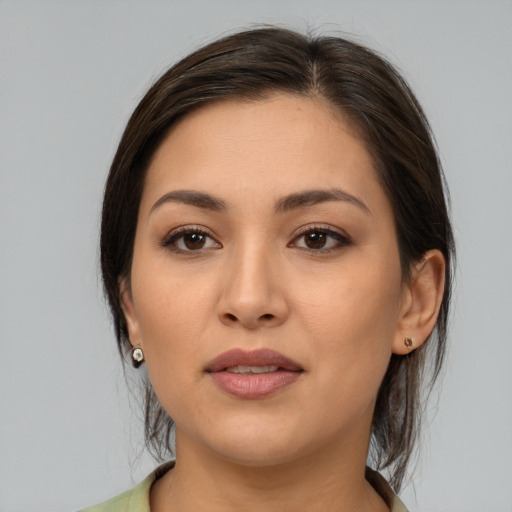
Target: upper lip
[(260, 357)]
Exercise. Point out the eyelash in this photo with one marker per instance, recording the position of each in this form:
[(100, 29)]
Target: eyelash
[(170, 241), (341, 240)]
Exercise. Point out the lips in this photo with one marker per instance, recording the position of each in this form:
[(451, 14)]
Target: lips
[(262, 357), (254, 374)]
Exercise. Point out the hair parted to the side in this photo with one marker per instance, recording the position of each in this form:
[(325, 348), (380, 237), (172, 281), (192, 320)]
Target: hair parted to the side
[(368, 91)]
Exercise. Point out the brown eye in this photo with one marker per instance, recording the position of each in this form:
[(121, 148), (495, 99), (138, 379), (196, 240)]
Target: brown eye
[(320, 240), (315, 240), (194, 241), (188, 240)]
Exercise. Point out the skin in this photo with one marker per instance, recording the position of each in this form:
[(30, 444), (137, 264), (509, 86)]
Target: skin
[(339, 311)]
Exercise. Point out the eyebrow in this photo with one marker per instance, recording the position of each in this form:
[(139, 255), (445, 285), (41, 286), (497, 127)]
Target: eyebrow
[(313, 197), (193, 198), (288, 203)]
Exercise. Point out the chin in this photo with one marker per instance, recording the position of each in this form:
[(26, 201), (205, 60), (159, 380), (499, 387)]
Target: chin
[(259, 453), (254, 443)]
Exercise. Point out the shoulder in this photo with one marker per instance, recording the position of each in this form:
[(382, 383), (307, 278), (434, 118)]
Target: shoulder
[(134, 500), (124, 502)]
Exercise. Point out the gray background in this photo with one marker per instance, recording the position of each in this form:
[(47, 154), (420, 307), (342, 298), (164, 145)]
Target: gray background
[(71, 73)]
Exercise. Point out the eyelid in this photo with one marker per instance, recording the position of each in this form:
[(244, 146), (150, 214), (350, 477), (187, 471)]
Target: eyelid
[(324, 228), (180, 231), (342, 238)]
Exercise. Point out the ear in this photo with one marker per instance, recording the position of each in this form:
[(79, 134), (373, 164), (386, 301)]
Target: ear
[(421, 300), (130, 315)]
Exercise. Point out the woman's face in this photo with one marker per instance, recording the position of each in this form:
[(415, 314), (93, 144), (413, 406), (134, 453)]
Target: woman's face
[(266, 288)]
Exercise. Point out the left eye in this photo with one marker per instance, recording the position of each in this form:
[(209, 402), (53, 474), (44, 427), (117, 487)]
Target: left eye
[(320, 240)]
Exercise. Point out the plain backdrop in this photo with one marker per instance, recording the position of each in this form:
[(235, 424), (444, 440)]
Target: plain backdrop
[(71, 73)]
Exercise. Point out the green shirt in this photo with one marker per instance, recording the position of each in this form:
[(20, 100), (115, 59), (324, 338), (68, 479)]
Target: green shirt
[(137, 499)]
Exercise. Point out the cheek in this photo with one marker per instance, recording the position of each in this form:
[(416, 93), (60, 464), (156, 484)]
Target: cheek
[(172, 312), (351, 320), (171, 318), (352, 300)]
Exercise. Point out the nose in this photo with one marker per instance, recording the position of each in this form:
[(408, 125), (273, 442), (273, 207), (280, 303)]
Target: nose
[(252, 292)]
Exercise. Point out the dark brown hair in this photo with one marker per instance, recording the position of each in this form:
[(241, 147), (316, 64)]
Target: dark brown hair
[(366, 89)]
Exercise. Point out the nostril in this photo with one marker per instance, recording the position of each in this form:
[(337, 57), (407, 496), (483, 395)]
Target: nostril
[(267, 316), (231, 317)]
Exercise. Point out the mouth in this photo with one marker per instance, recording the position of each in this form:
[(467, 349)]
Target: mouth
[(249, 370), (254, 374)]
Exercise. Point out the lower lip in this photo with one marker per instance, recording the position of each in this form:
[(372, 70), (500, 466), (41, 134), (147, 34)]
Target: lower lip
[(254, 385)]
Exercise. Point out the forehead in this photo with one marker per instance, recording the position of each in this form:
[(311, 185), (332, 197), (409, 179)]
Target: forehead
[(269, 147)]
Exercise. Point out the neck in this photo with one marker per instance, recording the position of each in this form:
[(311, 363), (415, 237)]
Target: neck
[(203, 481)]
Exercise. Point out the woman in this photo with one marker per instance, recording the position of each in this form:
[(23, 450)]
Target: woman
[(276, 249)]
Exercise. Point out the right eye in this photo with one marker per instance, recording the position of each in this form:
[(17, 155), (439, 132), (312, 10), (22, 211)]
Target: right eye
[(190, 240)]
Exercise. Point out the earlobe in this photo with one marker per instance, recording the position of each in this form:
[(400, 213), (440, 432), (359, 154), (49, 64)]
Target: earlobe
[(130, 316), (424, 294)]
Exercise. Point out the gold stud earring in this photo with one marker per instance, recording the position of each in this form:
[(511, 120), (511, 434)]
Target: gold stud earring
[(137, 357), (409, 343)]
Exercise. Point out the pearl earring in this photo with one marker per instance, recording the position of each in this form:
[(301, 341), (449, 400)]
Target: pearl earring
[(137, 357)]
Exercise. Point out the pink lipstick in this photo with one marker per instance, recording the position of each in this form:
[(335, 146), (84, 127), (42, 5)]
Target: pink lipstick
[(253, 374)]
